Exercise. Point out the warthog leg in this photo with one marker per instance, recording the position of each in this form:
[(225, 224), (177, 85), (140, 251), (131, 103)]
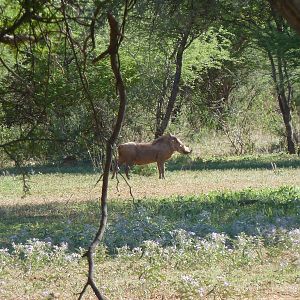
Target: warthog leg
[(161, 169), (118, 163), (117, 166), (127, 168), (116, 169)]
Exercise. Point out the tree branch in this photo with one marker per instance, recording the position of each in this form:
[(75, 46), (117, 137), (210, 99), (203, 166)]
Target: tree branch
[(115, 66), (27, 139)]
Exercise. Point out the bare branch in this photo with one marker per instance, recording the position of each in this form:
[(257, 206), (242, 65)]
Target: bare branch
[(15, 39), (130, 189), (115, 66), (27, 139)]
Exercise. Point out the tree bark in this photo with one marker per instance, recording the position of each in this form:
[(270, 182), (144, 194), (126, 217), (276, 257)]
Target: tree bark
[(287, 119), (162, 124), (283, 100), (290, 10)]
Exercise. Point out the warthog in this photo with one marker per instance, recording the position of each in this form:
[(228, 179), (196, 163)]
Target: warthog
[(158, 151)]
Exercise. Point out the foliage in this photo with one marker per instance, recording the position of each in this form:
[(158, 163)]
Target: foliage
[(209, 51), (47, 113), (268, 31)]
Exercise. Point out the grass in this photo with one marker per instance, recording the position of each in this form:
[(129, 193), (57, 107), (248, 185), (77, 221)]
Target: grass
[(211, 234), (245, 162), (230, 245), (248, 211), (177, 162), (191, 177)]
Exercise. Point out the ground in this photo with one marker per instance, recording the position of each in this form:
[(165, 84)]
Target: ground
[(227, 231)]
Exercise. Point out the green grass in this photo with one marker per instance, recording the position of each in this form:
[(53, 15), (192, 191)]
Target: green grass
[(252, 212), (281, 160), (213, 245), (226, 244), (177, 162), (196, 176)]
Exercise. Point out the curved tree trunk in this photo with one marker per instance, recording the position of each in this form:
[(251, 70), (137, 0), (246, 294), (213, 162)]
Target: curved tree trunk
[(112, 51), (162, 124)]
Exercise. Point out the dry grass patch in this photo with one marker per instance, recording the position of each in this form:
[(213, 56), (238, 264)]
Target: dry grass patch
[(68, 188)]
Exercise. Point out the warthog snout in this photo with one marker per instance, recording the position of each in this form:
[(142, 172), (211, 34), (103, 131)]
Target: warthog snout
[(186, 150), (179, 146)]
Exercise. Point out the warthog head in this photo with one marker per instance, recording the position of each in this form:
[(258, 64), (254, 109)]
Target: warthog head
[(177, 145)]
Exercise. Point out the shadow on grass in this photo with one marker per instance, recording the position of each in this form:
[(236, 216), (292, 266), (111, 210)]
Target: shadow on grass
[(249, 211), (80, 168), (269, 161), (56, 222), (180, 162)]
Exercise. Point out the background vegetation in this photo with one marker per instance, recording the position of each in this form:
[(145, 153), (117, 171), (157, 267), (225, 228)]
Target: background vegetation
[(194, 68), (221, 75)]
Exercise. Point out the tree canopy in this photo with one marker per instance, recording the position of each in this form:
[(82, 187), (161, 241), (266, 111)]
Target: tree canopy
[(187, 65)]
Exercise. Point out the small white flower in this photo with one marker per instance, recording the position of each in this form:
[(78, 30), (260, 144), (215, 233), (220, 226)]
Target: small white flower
[(201, 292), (45, 293)]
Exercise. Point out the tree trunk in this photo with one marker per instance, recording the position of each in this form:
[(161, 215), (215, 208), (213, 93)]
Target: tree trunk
[(284, 100), (287, 119), (162, 124), (290, 10)]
